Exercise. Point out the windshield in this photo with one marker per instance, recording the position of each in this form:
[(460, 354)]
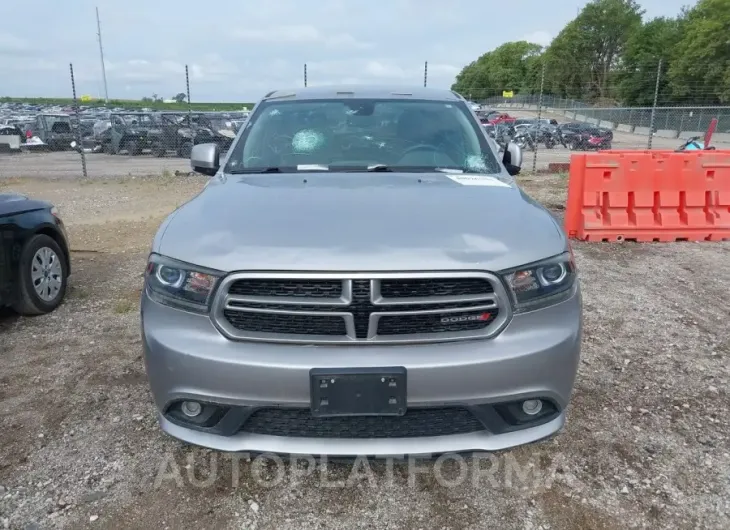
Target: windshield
[(135, 120), (360, 134)]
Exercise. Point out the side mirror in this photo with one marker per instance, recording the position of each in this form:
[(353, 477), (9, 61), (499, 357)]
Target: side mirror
[(512, 159), (205, 159)]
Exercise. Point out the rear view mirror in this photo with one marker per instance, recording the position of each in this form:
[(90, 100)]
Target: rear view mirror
[(205, 159), (512, 159)]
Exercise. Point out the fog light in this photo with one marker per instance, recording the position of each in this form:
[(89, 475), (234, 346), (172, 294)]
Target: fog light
[(191, 408), (532, 406)]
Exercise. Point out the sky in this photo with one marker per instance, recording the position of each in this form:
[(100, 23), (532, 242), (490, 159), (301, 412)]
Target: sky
[(237, 51)]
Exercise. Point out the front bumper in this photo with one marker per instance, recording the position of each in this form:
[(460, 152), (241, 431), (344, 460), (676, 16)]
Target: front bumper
[(536, 356)]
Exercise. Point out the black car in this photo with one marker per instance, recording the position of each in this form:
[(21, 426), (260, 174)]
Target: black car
[(34, 255), (584, 136)]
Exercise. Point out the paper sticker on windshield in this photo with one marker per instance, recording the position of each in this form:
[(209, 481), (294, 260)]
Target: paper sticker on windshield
[(478, 180)]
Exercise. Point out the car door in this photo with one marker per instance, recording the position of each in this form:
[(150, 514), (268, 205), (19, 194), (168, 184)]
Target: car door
[(117, 133)]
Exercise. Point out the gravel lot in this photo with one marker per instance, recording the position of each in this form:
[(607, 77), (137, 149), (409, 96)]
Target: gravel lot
[(647, 444)]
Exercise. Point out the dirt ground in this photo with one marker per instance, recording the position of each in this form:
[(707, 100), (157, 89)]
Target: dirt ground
[(647, 443)]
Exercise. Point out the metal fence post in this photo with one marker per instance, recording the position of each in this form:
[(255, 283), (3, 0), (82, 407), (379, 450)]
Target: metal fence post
[(539, 117), (187, 88), (305, 75), (653, 108), (77, 113), (425, 74)]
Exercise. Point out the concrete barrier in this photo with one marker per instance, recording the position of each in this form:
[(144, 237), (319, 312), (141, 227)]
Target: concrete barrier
[(625, 128), (667, 133), (607, 124), (592, 121), (720, 138), (686, 135), (643, 131), (580, 117)]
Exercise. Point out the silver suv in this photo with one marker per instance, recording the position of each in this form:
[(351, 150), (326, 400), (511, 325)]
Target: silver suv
[(361, 276)]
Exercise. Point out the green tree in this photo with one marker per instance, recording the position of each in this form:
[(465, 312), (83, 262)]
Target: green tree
[(509, 67), (652, 42), (180, 97), (583, 59), (700, 67)]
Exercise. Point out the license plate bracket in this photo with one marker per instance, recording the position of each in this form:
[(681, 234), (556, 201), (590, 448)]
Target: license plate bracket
[(358, 391)]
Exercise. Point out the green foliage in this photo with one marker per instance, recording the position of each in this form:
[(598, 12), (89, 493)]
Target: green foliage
[(637, 78), (700, 67), (131, 104), (512, 66), (608, 55)]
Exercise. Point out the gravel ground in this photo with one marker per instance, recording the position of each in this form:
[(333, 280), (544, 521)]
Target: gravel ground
[(646, 445)]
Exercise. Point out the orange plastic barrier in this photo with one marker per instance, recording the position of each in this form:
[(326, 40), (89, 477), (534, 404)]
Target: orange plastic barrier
[(649, 196)]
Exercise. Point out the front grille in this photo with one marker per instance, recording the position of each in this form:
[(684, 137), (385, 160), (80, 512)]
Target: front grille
[(295, 422), (287, 323), (360, 308), (297, 288), (413, 288)]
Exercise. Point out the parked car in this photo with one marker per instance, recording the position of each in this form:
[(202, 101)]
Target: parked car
[(54, 130), (500, 117), (584, 136), (344, 288), (130, 132), (34, 255), (179, 132)]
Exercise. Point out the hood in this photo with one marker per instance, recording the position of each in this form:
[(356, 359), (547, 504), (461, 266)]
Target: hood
[(349, 222), (15, 203)]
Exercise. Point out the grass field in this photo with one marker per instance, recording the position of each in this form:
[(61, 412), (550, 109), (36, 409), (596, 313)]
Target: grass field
[(130, 104)]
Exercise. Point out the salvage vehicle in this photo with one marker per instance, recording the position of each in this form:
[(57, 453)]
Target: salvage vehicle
[(34, 255), (129, 131), (179, 132), (584, 136), (54, 130), (345, 287)]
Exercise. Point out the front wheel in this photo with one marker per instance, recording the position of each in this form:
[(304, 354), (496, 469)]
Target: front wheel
[(42, 276), (185, 150), (132, 147), (157, 150)]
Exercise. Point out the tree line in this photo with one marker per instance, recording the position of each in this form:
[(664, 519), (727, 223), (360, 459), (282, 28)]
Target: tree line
[(610, 55)]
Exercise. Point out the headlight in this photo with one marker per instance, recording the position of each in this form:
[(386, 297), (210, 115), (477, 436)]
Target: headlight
[(542, 284), (180, 285)]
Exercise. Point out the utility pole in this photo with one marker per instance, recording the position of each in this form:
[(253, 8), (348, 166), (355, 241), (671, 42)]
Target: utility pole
[(656, 99), (101, 53), (539, 115)]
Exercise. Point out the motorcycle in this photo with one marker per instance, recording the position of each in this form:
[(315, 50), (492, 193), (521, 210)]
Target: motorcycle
[(696, 143), (524, 139)]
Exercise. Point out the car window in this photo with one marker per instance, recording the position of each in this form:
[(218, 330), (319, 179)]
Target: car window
[(357, 133)]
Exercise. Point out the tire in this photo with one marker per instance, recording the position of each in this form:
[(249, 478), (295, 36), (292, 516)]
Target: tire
[(41, 247), (132, 147), (185, 150), (158, 150)]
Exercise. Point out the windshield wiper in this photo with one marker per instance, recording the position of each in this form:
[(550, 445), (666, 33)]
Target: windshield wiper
[(271, 169), (378, 168)]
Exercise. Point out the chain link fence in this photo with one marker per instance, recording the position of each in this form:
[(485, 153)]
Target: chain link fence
[(83, 137)]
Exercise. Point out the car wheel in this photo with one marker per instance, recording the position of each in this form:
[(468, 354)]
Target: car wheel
[(185, 150), (573, 145), (132, 147), (43, 276), (157, 150)]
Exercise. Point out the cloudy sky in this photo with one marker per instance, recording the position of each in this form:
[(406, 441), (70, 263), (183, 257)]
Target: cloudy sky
[(239, 49)]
